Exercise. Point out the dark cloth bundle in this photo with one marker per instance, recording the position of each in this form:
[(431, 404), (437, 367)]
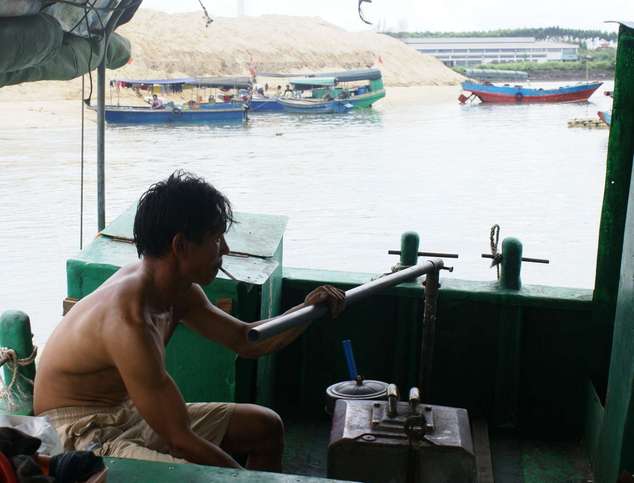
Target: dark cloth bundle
[(70, 467), (75, 466)]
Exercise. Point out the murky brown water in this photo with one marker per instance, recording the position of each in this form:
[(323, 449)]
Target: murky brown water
[(349, 184)]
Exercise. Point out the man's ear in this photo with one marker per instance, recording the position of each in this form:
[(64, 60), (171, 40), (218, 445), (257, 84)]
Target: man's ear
[(179, 245)]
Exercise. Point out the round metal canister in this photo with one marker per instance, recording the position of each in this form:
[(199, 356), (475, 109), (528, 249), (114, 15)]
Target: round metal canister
[(356, 390)]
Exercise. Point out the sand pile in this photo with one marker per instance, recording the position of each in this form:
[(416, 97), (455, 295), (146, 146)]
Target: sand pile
[(176, 45)]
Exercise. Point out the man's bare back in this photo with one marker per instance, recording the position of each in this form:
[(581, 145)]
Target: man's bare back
[(75, 368)]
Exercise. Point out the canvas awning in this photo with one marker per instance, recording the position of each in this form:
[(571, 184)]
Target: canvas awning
[(309, 83), (351, 75), (217, 82), (44, 40)]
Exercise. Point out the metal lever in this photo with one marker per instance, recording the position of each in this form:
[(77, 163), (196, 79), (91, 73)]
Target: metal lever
[(414, 400), (392, 400), (524, 259), (426, 254)]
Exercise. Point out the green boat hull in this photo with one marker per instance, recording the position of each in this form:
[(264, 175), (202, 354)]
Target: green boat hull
[(365, 101)]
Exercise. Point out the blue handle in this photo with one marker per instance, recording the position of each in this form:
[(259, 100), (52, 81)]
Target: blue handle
[(352, 367)]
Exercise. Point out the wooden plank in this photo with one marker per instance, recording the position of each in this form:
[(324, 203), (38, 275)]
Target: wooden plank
[(484, 463)]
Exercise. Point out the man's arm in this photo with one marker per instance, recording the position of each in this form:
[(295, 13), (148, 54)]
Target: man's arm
[(135, 350), (208, 320)]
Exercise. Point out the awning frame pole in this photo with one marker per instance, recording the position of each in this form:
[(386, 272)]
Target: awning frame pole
[(101, 145)]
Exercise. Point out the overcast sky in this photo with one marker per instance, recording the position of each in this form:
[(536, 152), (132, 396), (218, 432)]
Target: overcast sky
[(436, 15)]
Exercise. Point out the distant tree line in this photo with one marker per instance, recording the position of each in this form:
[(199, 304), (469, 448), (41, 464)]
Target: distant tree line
[(547, 33)]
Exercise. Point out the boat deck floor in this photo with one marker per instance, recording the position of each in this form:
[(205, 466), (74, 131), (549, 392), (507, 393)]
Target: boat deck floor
[(513, 460)]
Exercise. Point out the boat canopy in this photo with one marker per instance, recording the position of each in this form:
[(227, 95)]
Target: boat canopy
[(62, 40), (330, 79), (351, 75), (309, 83), (220, 82), (217, 82), (343, 76)]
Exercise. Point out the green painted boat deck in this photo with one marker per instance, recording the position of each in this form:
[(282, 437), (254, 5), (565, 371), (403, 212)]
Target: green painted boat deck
[(121, 470), (530, 461)]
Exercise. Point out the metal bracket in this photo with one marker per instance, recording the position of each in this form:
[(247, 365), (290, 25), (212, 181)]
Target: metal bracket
[(524, 259), (427, 254)]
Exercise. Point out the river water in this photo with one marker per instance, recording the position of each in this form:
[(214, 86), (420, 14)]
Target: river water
[(350, 185)]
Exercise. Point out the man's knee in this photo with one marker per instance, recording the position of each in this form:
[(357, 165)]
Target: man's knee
[(267, 423)]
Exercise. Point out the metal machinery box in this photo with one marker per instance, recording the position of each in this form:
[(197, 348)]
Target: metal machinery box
[(203, 370), (368, 445)]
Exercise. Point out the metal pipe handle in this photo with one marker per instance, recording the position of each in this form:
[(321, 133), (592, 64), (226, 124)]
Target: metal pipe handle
[(392, 400), (311, 312), (414, 400)]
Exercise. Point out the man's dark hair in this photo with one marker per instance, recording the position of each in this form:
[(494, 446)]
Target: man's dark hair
[(183, 203)]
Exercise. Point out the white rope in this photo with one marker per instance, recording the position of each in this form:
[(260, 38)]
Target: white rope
[(9, 356)]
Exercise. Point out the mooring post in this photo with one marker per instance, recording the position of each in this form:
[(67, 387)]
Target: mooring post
[(511, 264), (405, 367), (15, 334), (409, 248), (509, 339)]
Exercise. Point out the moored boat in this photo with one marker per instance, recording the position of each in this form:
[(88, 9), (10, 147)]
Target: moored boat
[(361, 88), (174, 114), (229, 104), (508, 94), (311, 106), (265, 104)]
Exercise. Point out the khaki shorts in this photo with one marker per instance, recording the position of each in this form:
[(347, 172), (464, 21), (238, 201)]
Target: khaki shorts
[(121, 431)]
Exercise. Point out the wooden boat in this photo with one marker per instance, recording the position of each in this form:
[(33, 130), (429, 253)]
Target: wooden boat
[(508, 94), (361, 88), (231, 106), (315, 106), (545, 372), (265, 104), (172, 114)]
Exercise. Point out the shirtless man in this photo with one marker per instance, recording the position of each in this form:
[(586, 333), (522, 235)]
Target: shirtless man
[(102, 380)]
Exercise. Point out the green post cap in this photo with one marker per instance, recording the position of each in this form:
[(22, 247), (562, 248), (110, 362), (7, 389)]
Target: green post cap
[(511, 264), (15, 333), (409, 248)]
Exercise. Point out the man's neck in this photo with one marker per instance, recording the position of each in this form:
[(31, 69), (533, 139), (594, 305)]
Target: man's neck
[(163, 283)]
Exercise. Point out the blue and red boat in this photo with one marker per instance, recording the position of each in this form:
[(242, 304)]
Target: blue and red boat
[(508, 94)]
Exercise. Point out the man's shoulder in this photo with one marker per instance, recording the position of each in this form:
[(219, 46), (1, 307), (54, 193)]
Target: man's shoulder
[(123, 299)]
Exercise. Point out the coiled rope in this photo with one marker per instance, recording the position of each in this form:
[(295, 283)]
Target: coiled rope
[(9, 356), (494, 238)]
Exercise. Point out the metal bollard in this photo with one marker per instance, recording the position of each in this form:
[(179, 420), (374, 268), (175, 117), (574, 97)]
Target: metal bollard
[(409, 248), (15, 333), (511, 264)]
